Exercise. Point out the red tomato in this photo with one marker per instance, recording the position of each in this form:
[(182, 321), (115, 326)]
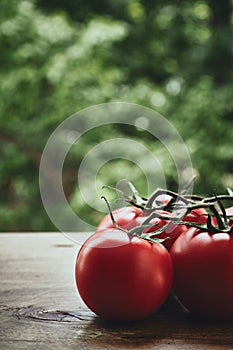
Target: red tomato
[(170, 234), (122, 277), (203, 273), (124, 216), (198, 216), (131, 217)]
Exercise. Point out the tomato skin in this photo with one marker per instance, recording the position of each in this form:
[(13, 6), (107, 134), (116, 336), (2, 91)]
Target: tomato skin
[(125, 217), (198, 216), (131, 217), (170, 234), (173, 231), (203, 273), (123, 278)]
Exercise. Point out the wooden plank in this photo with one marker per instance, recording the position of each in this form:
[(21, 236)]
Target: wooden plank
[(41, 309)]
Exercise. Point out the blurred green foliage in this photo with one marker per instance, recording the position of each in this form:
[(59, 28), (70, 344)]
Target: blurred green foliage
[(59, 57)]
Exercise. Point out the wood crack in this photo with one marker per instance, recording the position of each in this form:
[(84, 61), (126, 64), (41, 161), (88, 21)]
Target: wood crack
[(40, 314)]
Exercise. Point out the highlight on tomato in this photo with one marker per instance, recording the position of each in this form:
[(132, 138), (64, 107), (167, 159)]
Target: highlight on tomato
[(229, 213), (122, 277)]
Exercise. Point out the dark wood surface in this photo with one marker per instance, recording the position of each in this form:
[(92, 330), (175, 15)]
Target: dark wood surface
[(40, 307)]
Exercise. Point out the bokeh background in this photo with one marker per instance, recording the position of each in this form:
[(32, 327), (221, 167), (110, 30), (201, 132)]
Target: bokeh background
[(58, 57)]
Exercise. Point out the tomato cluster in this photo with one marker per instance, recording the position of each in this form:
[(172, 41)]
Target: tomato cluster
[(140, 252)]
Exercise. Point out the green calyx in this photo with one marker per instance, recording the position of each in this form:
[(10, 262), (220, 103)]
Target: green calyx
[(179, 206)]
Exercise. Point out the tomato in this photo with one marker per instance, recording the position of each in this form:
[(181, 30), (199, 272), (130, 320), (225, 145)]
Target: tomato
[(125, 217), (198, 216), (170, 233), (131, 217), (203, 273), (173, 231), (122, 277)]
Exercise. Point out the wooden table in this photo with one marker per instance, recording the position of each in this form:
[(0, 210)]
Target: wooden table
[(41, 309)]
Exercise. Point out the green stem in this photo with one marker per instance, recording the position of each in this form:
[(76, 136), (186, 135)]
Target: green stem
[(221, 225), (159, 192), (112, 217), (215, 198)]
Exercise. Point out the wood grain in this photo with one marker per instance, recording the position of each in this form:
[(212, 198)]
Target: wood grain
[(41, 309)]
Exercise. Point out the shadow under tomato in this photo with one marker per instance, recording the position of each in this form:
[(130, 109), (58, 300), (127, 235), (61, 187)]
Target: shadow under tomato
[(171, 325)]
